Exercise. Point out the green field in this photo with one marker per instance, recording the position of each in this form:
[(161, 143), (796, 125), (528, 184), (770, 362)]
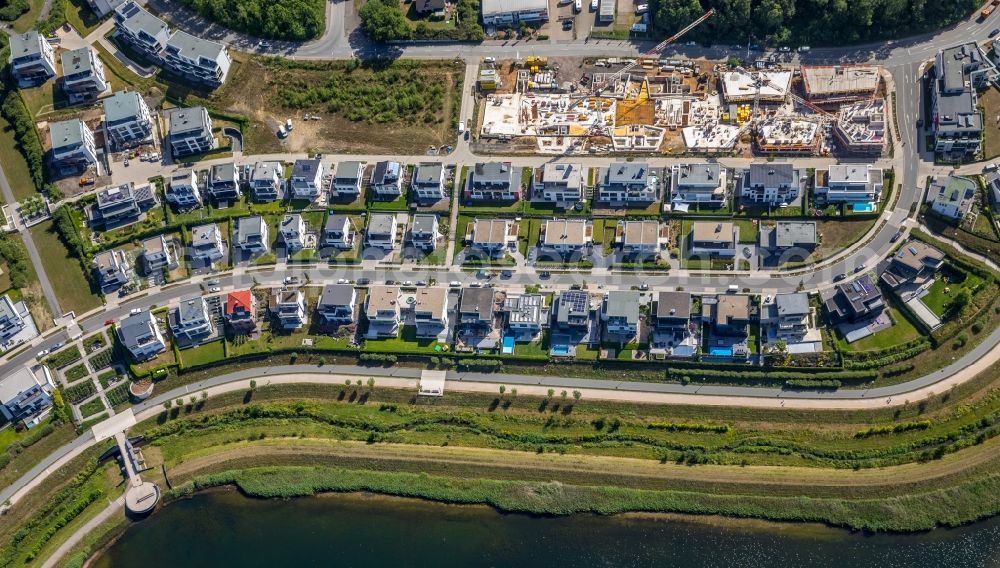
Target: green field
[(900, 332), (64, 272)]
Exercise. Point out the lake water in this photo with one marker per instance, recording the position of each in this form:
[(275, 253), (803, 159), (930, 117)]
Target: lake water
[(219, 529)]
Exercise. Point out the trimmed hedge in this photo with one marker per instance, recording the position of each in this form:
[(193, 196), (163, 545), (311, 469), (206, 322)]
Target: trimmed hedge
[(809, 384)]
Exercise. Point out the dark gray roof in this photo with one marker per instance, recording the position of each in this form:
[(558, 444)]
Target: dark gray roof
[(427, 174), (306, 168), (384, 169), (628, 173), (623, 303), (134, 327), (673, 305), (247, 226), (792, 304), (194, 48), (700, 174), (183, 120), (26, 44), (223, 173), (772, 175), (480, 300), (336, 295), (336, 222), (191, 310), (795, 233), (955, 61), (492, 172)]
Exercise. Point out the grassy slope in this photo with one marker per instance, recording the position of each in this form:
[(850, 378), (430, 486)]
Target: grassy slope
[(64, 271)]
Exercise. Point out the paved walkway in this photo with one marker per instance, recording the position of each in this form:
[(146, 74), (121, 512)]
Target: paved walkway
[(114, 508)]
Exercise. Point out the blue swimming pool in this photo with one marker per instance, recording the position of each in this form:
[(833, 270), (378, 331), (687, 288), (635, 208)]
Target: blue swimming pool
[(560, 350), (721, 351), (863, 207), (508, 345)]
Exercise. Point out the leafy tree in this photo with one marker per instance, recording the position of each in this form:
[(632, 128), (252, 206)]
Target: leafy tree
[(383, 20)]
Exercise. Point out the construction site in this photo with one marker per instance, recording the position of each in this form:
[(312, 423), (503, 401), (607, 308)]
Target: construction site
[(676, 107)]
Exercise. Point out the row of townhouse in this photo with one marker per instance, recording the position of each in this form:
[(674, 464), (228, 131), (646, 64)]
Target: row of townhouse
[(495, 237), (33, 62), (195, 59)]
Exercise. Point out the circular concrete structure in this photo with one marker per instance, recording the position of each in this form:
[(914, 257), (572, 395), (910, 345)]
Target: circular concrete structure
[(141, 499)]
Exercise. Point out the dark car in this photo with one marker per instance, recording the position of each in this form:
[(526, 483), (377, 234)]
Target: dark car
[(390, 282), (567, 24), (839, 277), (896, 236), (995, 32), (859, 269), (544, 275), (920, 122), (364, 281)]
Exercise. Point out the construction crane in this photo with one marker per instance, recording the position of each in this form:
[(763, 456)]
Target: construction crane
[(598, 89)]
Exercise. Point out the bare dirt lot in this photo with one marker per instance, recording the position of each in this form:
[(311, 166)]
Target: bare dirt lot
[(400, 107)]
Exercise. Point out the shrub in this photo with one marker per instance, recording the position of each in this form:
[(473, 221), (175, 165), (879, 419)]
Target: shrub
[(76, 373), (894, 429), (487, 365), (684, 427), (824, 384), (75, 393), (59, 360)]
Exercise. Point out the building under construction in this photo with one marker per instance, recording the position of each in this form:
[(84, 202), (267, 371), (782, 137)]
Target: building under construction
[(742, 86), (860, 128), (787, 135), (837, 84)]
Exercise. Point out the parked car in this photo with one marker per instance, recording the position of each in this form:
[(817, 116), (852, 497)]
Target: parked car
[(215, 289), (644, 286), (364, 281), (593, 5), (784, 49), (455, 284), (421, 282), (408, 283), (135, 311), (896, 236), (567, 25), (642, 8), (995, 32), (544, 275), (390, 282), (839, 277), (42, 353), (506, 274), (109, 322), (859, 269)]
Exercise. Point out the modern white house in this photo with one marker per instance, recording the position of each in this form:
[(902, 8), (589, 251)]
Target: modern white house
[(267, 181), (627, 184), (141, 30), (338, 232), (112, 270), (430, 311), (620, 312), (493, 237), (697, 184), (346, 182), (26, 395), (182, 190), (493, 181), (428, 182), (293, 232), (714, 238), (73, 148), (382, 312), (769, 184), (190, 131), (641, 237), (381, 231), (307, 178), (156, 255), (251, 235), (196, 59), (206, 244), (223, 182), (127, 120), (191, 322), (141, 335), (566, 236), (559, 182), (425, 231), (32, 59), (11, 321), (502, 13), (387, 180), (952, 196), (848, 183), (83, 75), (526, 315), (337, 305), (288, 307)]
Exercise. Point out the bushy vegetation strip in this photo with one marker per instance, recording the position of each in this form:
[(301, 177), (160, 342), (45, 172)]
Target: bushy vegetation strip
[(288, 19)]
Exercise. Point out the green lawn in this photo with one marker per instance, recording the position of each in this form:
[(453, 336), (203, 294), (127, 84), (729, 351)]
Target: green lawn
[(91, 408), (14, 166), (407, 342), (749, 230), (900, 332), (64, 272), (955, 280), (438, 257), (203, 354)]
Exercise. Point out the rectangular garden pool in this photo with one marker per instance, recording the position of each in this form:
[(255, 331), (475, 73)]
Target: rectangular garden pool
[(508, 345), (562, 350), (863, 207), (720, 351)]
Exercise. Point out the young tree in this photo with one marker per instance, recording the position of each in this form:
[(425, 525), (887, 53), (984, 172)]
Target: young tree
[(167, 405), (253, 385), (576, 395), (503, 389), (204, 395), (371, 383), (552, 392)]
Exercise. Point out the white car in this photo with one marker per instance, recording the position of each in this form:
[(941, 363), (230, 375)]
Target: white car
[(593, 5), (408, 283), (642, 8), (135, 311), (215, 289), (42, 353)]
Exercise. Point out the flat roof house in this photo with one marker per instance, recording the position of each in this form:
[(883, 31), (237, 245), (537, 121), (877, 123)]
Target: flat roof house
[(382, 312), (626, 184), (790, 321), (698, 184), (346, 183), (672, 329), (916, 262), (267, 181), (32, 59), (288, 307), (731, 315), (430, 311), (156, 255), (509, 12), (241, 312), (224, 182), (770, 184), (11, 321), (620, 312), (381, 231), (141, 335), (182, 190), (141, 30), (428, 182), (952, 196), (293, 231), (307, 178), (112, 270), (850, 183), (641, 237), (337, 305), (526, 315), (566, 236), (339, 232), (26, 395), (854, 301), (956, 123), (190, 322), (121, 205), (558, 183), (206, 244), (788, 235), (493, 237), (190, 131), (127, 120), (251, 235), (425, 231), (493, 181), (572, 309), (714, 238), (83, 75), (73, 148), (387, 180), (198, 60), (477, 307)]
